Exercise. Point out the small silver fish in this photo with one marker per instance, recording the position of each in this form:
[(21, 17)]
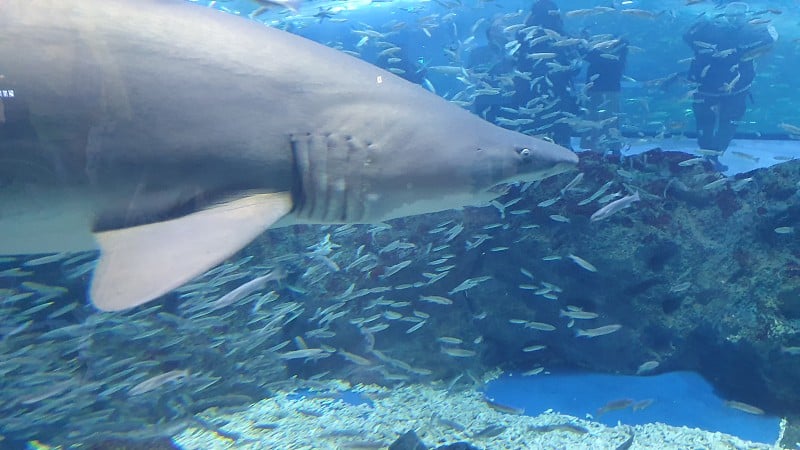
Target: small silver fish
[(533, 348), (597, 194), (575, 181), (585, 315), (391, 270), (647, 366), (614, 207), (548, 202), (541, 326), (691, 162), (439, 300), (531, 372), (458, 352), (302, 354), (158, 381), (582, 263), (45, 259), (600, 331), (715, 184), (416, 327), (246, 289), (355, 359), (744, 407)]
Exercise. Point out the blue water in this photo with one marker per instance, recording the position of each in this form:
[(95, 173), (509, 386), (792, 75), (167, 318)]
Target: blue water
[(679, 399), (659, 53)]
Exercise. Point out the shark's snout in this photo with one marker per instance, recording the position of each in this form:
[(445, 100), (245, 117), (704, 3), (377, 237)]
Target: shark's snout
[(556, 154), (551, 159)]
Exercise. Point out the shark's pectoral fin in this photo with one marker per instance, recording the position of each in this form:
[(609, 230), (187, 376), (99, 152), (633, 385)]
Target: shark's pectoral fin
[(140, 263)]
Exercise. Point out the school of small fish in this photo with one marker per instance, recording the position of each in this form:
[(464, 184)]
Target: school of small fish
[(347, 296), (328, 301)]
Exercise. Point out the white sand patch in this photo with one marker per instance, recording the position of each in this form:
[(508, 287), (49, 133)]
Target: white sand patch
[(327, 422)]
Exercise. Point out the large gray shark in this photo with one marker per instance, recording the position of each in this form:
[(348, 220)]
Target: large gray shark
[(169, 136)]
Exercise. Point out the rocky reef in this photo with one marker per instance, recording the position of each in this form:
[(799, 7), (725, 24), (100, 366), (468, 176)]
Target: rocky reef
[(701, 274)]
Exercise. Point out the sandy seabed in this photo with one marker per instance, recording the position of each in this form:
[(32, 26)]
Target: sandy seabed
[(323, 421)]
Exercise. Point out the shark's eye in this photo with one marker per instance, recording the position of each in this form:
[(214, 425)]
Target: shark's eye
[(524, 152)]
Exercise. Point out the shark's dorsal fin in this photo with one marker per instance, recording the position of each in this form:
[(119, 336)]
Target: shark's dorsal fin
[(140, 263)]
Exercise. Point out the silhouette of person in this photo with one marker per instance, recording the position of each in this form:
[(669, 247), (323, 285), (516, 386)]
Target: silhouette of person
[(491, 63), (547, 87), (604, 82), (723, 68), (491, 57)]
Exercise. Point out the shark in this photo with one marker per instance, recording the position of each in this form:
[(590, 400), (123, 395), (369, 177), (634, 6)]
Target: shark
[(169, 136)]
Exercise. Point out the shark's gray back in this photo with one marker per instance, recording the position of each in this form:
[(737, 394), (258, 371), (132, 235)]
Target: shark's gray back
[(113, 85), (158, 68), (152, 109), (172, 135)]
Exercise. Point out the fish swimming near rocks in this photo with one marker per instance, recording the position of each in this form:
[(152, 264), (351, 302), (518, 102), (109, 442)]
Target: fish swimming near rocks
[(614, 207), (169, 136)]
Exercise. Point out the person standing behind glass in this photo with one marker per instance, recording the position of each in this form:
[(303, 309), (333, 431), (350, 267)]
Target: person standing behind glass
[(547, 87), (491, 64), (724, 69), (603, 85)]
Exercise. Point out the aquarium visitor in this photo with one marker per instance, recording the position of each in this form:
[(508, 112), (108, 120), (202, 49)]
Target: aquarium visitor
[(603, 85), (491, 57), (547, 86), (492, 62), (724, 69)]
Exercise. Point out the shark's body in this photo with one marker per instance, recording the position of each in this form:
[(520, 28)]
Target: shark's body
[(171, 135)]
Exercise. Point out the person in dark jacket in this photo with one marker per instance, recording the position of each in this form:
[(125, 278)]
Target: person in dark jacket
[(603, 85), (546, 14), (491, 63), (724, 69), (491, 57), (547, 84)]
